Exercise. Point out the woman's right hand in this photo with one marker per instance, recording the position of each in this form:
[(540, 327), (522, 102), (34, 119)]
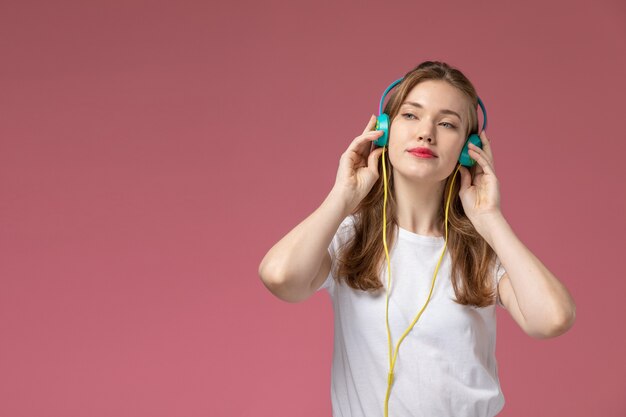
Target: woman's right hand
[(358, 167)]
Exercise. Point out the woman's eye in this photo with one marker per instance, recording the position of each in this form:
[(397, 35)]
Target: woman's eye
[(412, 116)]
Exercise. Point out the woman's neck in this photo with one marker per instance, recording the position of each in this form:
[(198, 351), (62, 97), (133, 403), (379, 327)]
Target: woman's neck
[(418, 206)]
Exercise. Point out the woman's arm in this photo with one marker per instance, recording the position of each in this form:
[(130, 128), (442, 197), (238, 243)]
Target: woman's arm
[(541, 304), (291, 265), (547, 308), (301, 257)]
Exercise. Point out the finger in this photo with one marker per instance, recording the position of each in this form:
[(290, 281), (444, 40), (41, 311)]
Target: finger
[(368, 149), (361, 143), (485, 141), (486, 153), (372, 160), (370, 124), (482, 161)]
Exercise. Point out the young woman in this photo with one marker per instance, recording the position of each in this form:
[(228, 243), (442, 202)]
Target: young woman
[(413, 255)]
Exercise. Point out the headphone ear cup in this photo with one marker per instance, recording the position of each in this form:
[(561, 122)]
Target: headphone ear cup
[(382, 123), (464, 158)]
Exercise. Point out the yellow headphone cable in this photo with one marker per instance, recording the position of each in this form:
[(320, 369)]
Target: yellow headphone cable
[(392, 362)]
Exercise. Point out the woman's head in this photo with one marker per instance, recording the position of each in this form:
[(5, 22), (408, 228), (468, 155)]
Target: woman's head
[(433, 107), (435, 86)]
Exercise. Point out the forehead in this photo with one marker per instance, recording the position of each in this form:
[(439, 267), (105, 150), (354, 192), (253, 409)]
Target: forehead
[(436, 95)]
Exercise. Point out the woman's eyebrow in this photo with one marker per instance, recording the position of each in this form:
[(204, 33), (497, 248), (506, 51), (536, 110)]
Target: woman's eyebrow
[(442, 111)]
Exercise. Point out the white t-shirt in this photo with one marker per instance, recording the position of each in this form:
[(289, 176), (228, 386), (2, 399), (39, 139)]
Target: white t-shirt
[(446, 365)]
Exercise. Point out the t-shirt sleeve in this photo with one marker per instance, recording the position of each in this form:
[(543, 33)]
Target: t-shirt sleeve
[(340, 239), (499, 272)]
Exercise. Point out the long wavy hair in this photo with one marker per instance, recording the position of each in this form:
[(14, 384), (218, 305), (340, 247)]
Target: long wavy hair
[(361, 259)]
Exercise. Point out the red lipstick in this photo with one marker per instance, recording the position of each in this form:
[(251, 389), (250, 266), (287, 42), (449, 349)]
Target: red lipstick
[(422, 152)]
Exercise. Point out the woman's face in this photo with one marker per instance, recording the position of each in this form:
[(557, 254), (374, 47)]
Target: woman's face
[(429, 122)]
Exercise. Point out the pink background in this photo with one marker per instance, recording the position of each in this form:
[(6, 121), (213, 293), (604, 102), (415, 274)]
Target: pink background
[(152, 152)]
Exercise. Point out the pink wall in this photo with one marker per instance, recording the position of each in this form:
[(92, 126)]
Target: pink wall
[(152, 152)]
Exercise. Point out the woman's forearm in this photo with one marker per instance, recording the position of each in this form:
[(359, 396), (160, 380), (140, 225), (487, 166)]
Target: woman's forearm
[(296, 258), (543, 300)]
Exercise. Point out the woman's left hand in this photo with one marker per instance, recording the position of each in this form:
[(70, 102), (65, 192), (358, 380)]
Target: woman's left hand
[(480, 195)]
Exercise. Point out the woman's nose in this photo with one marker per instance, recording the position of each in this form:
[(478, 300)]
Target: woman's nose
[(425, 132), (427, 138)]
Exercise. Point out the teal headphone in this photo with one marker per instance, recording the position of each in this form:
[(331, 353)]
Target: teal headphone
[(382, 123)]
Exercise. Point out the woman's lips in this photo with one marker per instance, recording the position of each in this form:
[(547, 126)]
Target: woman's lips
[(422, 154)]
